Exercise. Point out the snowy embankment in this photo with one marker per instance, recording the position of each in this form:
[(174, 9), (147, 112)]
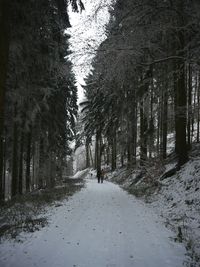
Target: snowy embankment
[(100, 226), (176, 199), (80, 174)]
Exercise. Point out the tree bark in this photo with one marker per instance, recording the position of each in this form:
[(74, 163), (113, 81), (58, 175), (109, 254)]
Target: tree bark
[(91, 157), (165, 124), (143, 135), (108, 154), (4, 48), (15, 161), (98, 155), (87, 153), (21, 165), (189, 100), (198, 105), (41, 163), (158, 127), (114, 150), (4, 168), (132, 141), (28, 160), (180, 90), (180, 113), (151, 124)]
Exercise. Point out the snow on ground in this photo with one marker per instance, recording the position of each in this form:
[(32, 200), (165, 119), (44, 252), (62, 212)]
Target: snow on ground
[(100, 226), (80, 174), (178, 202), (176, 199)]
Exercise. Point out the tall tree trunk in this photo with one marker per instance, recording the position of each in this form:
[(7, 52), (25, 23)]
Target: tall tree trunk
[(14, 186), (158, 126), (21, 164), (122, 159), (108, 154), (161, 121), (91, 157), (51, 170), (128, 143), (33, 180), (194, 96), (98, 154), (87, 143), (180, 113), (198, 106), (4, 48), (180, 90), (41, 163), (189, 100), (132, 141), (36, 164), (28, 161), (114, 150), (4, 168), (143, 135), (165, 119), (151, 125)]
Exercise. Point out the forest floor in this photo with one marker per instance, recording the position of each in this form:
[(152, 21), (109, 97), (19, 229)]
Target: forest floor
[(102, 226), (27, 213), (176, 199)]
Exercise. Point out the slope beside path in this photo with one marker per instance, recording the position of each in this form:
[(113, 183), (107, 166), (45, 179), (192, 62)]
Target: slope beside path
[(100, 226)]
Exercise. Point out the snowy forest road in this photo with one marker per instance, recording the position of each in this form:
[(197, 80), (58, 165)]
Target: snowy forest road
[(100, 226)]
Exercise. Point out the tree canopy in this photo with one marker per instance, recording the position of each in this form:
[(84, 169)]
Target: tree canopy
[(144, 85), (38, 94)]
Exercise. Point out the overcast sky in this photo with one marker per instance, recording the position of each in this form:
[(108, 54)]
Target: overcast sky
[(87, 32)]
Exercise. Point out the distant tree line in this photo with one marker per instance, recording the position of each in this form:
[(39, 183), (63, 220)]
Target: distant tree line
[(37, 94), (143, 92)]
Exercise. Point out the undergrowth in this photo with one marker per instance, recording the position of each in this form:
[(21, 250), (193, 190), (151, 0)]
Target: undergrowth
[(26, 213)]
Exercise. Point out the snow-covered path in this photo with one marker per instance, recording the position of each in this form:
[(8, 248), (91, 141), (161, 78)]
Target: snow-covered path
[(100, 226)]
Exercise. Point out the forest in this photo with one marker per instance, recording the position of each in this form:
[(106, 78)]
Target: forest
[(143, 92), (38, 95), (111, 179)]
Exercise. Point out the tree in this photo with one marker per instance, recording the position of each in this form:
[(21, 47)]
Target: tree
[(4, 47), (139, 77), (38, 98)]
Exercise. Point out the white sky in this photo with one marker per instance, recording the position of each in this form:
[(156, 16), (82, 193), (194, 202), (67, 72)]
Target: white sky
[(87, 32)]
